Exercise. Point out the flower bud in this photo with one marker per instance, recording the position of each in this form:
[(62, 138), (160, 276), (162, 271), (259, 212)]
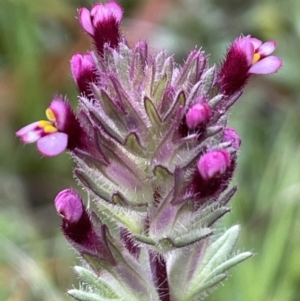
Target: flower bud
[(86, 234), (230, 135), (69, 205), (198, 114), (102, 23), (213, 164), (83, 71)]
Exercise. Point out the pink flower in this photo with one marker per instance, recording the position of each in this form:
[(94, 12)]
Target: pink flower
[(213, 164), (69, 205), (78, 227), (198, 114), (53, 136), (244, 57), (84, 71), (230, 135), (258, 55), (102, 23)]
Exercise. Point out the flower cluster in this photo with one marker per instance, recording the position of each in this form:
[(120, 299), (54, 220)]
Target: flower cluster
[(153, 150)]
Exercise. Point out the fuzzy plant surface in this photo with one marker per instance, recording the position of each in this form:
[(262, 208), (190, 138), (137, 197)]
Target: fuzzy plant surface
[(154, 153)]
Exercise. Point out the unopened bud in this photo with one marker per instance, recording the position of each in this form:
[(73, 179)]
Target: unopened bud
[(83, 71), (230, 135), (198, 114), (69, 206), (213, 164)]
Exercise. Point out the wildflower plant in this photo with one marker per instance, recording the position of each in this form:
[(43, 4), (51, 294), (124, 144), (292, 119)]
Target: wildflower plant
[(153, 151)]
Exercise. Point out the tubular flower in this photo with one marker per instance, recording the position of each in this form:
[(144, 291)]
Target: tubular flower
[(212, 175), (79, 228), (83, 71), (53, 136), (102, 23), (246, 56)]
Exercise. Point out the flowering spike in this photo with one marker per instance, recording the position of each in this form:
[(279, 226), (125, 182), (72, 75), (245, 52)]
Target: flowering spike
[(154, 152), (60, 132), (102, 23)]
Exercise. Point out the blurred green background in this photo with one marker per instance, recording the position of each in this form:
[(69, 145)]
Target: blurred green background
[(37, 39)]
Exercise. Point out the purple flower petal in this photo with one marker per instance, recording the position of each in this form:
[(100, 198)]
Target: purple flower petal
[(213, 164), (32, 136), (61, 110), (256, 43), (96, 8), (80, 65), (53, 144), (267, 65), (267, 48), (247, 47), (76, 62), (69, 205), (115, 9), (102, 12), (85, 20), (28, 128)]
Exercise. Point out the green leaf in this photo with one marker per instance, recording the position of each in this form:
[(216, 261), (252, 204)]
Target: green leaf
[(98, 283), (159, 89), (102, 120), (230, 263), (87, 296), (90, 183), (180, 100), (209, 285), (212, 282), (144, 239), (190, 237), (110, 108), (162, 174), (208, 215), (208, 78), (215, 255), (215, 100), (133, 144), (152, 113)]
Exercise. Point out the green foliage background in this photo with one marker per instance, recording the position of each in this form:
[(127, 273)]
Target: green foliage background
[(37, 39)]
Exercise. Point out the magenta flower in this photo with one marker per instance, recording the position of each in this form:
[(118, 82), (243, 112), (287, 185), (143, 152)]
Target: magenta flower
[(230, 135), (212, 175), (198, 114), (78, 226), (213, 164), (258, 55), (53, 136), (102, 23), (246, 56), (69, 206), (83, 71)]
